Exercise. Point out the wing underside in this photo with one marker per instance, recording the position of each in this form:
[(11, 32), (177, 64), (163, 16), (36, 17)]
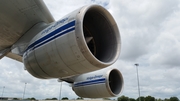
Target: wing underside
[(16, 18)]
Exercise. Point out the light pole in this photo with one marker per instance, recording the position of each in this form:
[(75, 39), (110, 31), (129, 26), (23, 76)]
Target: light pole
[(24, 90), (3, 91), (138, 80), (60, 90)]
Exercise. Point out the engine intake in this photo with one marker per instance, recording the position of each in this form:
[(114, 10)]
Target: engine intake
[(115, 81), (100, 35)]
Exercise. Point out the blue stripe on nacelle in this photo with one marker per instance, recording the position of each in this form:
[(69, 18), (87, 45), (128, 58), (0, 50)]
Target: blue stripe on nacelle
[(85, 83), (49, 37)]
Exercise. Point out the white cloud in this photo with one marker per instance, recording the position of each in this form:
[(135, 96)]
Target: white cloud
[(168, 42)]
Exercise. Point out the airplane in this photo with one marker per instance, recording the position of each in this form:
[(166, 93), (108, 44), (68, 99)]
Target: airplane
[(74, 49)]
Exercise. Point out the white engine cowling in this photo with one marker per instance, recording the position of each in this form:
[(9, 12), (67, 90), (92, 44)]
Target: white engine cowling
[(99, 84), (83, 41)]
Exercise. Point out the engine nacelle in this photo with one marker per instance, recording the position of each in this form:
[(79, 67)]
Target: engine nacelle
[(99, 84), (83, 41)]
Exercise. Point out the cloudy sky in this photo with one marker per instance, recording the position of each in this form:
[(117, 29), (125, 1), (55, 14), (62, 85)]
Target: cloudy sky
[(149, 35)]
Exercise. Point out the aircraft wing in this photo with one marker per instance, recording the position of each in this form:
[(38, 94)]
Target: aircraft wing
[(16, 18)]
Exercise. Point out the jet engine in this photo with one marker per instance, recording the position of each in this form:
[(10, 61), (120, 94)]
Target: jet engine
[(83, 41), (99, 84)]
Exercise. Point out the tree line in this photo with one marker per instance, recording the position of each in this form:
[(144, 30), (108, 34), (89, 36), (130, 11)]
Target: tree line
[(64, 98), (147, 98), (122, 98)]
